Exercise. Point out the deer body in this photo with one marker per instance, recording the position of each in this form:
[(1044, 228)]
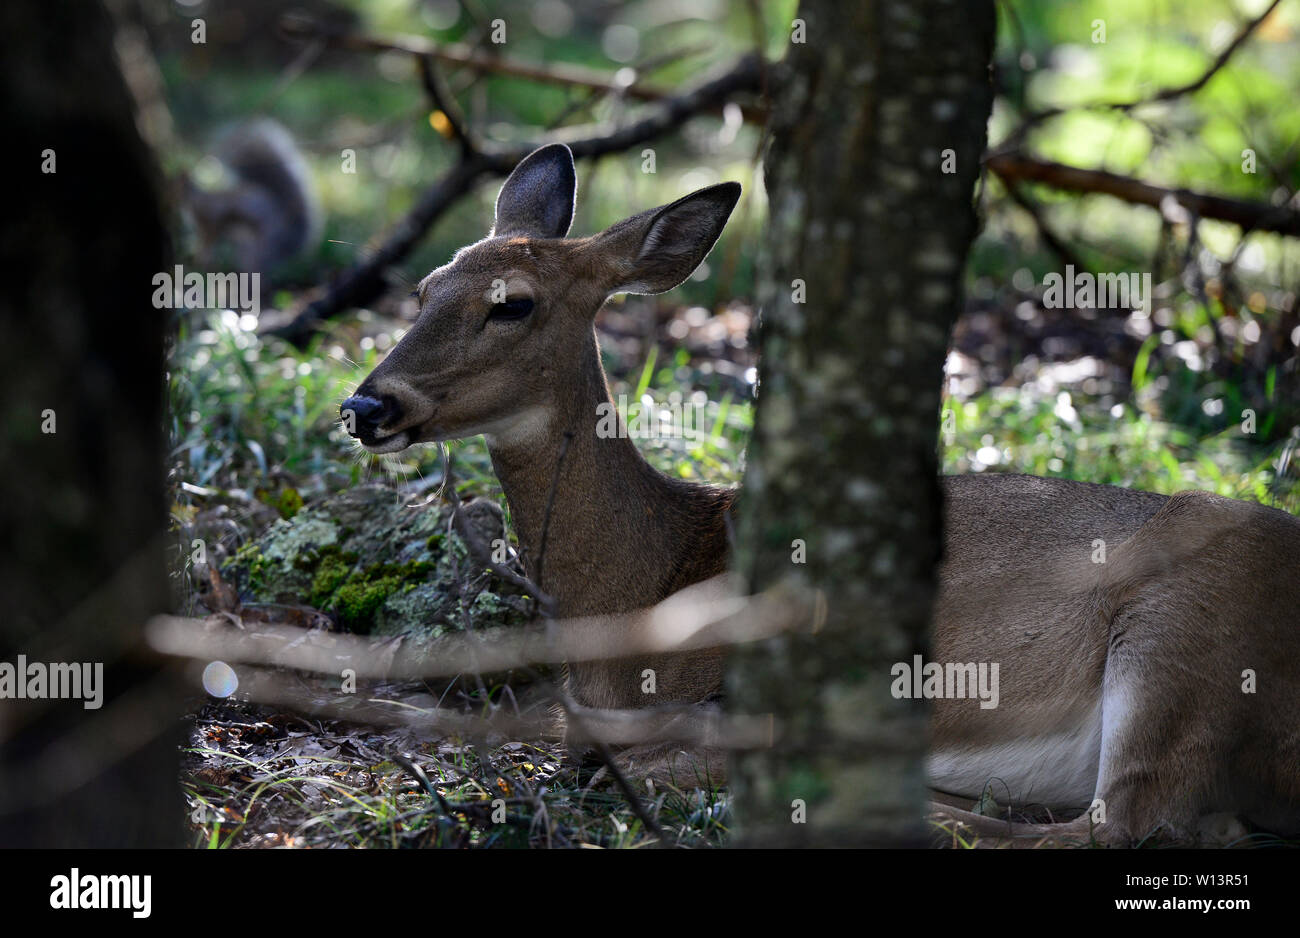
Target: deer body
[(1148, 645), (622, 536), (1125, 675)]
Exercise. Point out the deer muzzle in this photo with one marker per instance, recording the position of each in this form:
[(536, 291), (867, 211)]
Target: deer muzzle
[(364, 418)]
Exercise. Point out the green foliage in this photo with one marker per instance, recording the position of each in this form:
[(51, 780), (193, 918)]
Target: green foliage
[(1067, 435), (333, 568), (359, 598), (241, 405)]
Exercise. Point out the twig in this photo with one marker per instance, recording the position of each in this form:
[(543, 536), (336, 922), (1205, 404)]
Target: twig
[(1016, 137), (442, 98), (481, 552), (603, 753), (1050, 238), (364, 282), (707, 615), (1191, 87), (299, 27)]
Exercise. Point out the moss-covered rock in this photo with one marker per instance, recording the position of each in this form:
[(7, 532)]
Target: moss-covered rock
[(376, 564)]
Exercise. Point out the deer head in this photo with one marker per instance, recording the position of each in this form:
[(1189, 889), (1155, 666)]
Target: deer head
[(503, 327)]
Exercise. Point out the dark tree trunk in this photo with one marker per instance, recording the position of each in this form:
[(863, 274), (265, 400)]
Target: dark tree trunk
[(82, 511), (844, 450)]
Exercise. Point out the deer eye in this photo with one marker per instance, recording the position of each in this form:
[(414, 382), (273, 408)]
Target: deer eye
[(512, 309)]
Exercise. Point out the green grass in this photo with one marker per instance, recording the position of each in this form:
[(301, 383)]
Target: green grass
[(1068, 435)]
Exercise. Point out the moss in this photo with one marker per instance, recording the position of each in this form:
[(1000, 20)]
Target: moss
[(288, 503), (417, 610), (251, 559), (368, 560), (356, 596), (357, 601), (333, 568)]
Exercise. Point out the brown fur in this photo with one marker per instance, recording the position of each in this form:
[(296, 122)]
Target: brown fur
[(621, 536), (1195, 590)]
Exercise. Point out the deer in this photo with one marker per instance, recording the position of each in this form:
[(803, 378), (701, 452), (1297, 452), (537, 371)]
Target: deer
[(505, 346), (1149, 650), (1149, 644)]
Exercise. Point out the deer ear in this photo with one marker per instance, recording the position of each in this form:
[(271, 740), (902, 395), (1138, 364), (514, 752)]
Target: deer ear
[(537, 199), (656, 250)]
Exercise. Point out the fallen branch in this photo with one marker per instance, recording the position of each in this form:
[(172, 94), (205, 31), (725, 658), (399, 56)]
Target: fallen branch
[(1016, 167), (364, 282)]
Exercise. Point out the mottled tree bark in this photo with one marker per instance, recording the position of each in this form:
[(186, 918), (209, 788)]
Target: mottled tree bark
[(872, 220), (81, 459)]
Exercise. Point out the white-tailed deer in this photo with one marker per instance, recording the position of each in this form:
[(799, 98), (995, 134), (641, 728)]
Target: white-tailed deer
[(1149, 653), (505, 346), (1148, 646)]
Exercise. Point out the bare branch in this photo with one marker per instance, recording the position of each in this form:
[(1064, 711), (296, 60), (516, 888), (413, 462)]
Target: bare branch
[(442, 99), (682, 724), (367, 280), (1168, 94), (483, 554), (306, 28), (1016, 137), (1049, 236), (1016, 167)]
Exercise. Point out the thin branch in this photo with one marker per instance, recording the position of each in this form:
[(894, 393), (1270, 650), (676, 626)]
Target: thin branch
[(482, 553), (573, 716), (368, 280), (300, 27), (707, 615), (571, 709), (1016, 167), (1016, 137), (550, 503), (1050, 237), (1191, 87), (443, 100), (666, 114)]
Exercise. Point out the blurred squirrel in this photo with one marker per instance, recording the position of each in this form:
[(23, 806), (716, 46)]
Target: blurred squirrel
[(251, 202)]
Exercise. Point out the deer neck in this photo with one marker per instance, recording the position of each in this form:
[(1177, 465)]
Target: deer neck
[(613, 538)]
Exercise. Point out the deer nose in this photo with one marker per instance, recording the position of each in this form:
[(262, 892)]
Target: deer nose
[(368, 413)]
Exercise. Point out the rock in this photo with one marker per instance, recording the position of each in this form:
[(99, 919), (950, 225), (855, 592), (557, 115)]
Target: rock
[(375, 564)]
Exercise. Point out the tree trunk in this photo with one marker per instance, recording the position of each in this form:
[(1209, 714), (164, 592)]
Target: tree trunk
[(81, 459), (872, 219)]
